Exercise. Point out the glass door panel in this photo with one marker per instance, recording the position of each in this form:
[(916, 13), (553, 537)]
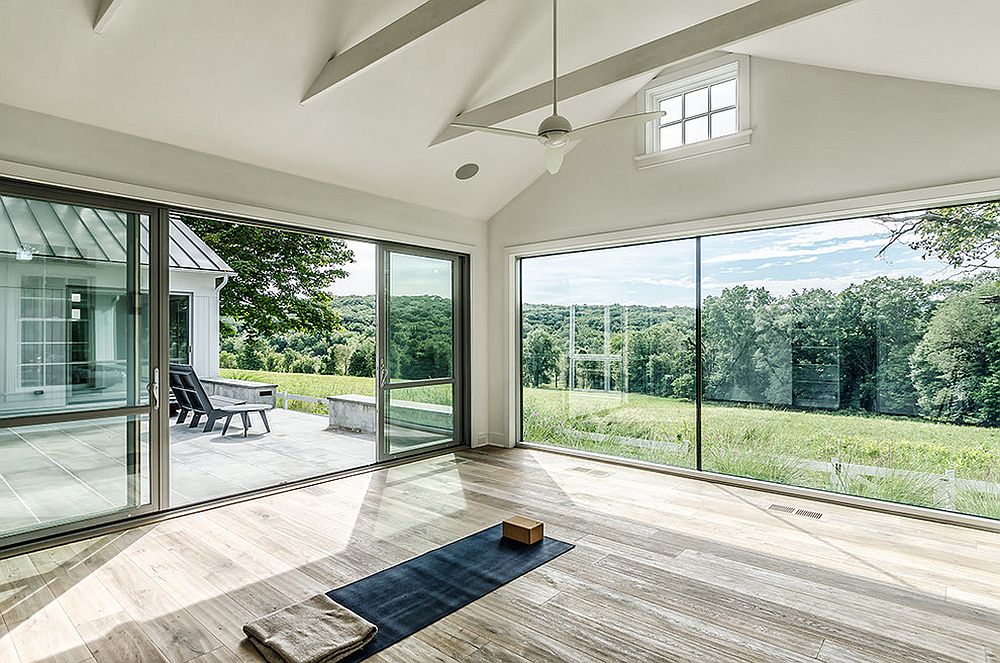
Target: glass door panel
[(419, 417), (417, 364), (75, 402)]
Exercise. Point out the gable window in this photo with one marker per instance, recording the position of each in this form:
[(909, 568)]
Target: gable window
[(706, 110)]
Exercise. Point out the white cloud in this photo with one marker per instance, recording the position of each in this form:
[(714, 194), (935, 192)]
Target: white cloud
[(360, 274), (808, 260), (677, 283), (818, 233), (788, 251), (833, 282)]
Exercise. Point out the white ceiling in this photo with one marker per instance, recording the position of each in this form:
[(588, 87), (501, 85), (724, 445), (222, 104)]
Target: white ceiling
[(225, 76)]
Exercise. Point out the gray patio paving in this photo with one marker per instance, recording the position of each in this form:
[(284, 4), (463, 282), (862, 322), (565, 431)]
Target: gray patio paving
[(55, 473), (208, 465)]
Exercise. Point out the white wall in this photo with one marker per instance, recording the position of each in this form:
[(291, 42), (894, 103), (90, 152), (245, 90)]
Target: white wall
[(824, 142), (204, 317), (47, 149)]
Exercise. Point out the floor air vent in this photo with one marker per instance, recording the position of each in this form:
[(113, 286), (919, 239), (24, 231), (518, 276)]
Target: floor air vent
[(590, 470), (805, 513)]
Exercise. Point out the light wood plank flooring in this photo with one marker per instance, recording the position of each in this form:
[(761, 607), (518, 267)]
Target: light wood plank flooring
[(664, 569)]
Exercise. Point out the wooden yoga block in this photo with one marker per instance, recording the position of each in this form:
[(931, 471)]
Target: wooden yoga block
[(523, 530)]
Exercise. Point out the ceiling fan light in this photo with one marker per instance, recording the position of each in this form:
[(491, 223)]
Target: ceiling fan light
[(554, 158)]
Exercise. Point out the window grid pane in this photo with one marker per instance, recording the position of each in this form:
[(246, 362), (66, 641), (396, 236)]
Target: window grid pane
[(698, 114), (696, 130), (723, 123), (696, 102), (723, 95)]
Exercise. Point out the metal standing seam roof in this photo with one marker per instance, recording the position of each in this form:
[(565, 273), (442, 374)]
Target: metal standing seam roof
[(84, 233)]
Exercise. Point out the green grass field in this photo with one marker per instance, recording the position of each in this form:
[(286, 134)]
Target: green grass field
[(307, 384), (756, 442), (320, 386), (772, 444)]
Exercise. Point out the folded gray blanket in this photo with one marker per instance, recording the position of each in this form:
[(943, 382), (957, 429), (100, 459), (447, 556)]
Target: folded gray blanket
[(317, 630)]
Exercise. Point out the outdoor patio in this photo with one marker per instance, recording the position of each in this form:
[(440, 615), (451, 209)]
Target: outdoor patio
[(208, 465), (50, 474)]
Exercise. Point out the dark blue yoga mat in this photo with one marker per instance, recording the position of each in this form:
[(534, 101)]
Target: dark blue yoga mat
[(405, 598)]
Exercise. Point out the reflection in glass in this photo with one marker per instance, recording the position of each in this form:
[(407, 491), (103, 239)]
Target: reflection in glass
[(418, 417), (74, 306), (815, 343), (607, 352), (60, 473)]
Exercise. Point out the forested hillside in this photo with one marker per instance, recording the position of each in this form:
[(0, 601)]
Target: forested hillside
[(887, 345)]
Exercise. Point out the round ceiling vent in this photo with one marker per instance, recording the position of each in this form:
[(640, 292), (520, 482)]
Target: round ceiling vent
[(467, 171)]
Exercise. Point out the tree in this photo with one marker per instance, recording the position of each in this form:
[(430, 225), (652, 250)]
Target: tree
[(959, 353), (281, 279), (541, 357), (362, 361), (965, 237), (737, 354), (881, 320), (251, 355), (335, 360)]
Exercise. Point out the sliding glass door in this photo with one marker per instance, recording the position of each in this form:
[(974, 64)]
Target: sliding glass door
[(77, 377), (419, 351), (355, 356)]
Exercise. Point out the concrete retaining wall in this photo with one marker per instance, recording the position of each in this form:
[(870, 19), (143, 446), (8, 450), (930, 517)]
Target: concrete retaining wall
[(357, 412), (244, 390)]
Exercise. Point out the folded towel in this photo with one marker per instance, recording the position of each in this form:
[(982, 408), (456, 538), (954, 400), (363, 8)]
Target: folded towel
[(317, 630)]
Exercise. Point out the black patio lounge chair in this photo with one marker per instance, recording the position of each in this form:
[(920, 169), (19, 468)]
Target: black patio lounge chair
[(191, 397)]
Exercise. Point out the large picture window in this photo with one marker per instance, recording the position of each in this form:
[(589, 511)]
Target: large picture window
[(859, 356)]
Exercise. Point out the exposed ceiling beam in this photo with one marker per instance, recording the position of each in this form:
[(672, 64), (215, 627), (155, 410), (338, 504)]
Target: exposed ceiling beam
[(401, 32), (698, 39), (105, 11)]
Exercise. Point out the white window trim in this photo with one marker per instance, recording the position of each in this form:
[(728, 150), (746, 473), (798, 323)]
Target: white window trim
[(674, 81)]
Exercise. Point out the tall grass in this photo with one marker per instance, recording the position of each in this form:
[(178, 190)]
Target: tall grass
[(750, 454), (978, 503), (780, 446)]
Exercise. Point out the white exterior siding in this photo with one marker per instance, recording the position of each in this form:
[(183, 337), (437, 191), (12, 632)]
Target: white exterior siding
[(201, 287)]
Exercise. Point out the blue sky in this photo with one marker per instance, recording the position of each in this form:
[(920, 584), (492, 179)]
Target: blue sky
[(829, 255)]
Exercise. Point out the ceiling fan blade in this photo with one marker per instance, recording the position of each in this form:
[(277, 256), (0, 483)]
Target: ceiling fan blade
[(554, 158), (620, 122), (496, 130)]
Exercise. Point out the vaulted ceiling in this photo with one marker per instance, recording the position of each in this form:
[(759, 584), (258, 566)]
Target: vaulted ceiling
[(226, 77)]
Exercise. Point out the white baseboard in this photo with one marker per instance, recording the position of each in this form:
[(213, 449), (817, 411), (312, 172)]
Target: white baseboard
[(492, 440)]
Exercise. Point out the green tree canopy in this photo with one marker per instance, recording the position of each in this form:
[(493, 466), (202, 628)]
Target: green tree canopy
[(966, 237), (282, 278), (541, 357)]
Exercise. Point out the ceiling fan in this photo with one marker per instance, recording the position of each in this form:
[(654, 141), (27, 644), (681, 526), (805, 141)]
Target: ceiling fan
[(555, 132)]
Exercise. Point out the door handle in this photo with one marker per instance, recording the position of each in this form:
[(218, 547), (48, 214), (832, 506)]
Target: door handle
[(154, 389), (383, 375)]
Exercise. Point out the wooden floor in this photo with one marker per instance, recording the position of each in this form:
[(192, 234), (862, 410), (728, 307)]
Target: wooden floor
[(664, 569)]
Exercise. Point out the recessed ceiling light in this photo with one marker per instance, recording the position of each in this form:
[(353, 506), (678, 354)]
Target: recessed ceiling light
[(467, 171)]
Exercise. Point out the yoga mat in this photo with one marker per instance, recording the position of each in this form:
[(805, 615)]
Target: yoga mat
[(405, 598)]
